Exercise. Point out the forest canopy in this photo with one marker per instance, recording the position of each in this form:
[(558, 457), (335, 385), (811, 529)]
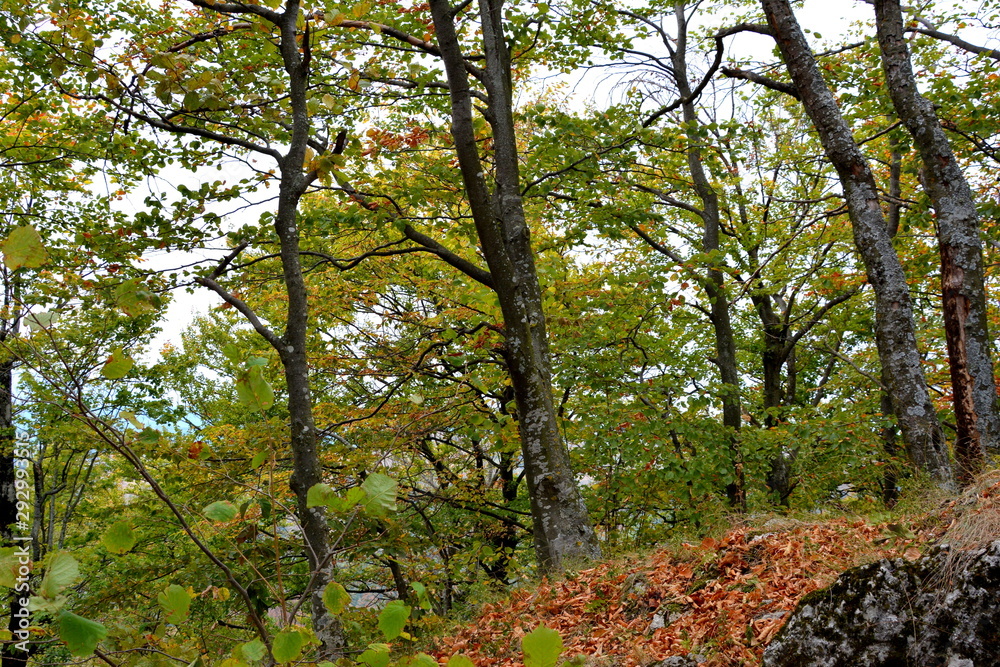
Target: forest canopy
[(484, 291)]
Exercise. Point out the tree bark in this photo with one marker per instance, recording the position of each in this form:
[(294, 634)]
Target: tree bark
[(963, 294), (894, 328), (714, 280), (10, 657), (562, 530), (306, 468)]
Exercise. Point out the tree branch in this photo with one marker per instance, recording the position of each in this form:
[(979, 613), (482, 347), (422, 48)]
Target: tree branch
[(245, 310), (395, 33), (780, 86), (465, 266)]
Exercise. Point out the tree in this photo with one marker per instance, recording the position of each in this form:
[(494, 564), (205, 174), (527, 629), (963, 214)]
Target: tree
[(963, 294), (894, 328)]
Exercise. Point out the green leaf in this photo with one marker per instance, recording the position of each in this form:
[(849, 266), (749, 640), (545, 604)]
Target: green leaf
[(380, 491), (131, 419), (61, 571), (134, 299), (542, 647), (319, 495), (287, 645), (459, 660), (37, 603), (419, 660), (355, 495), (9, 566), (423, 599), (176, 601), (149, 436), (231, 352), (221, 511), (254, 650), (41, 321), (118, 365), (253, 390), (335, 598), (258, 459), (393, 618), (80, 634), (119, 537), (376, 655), (24, 248)]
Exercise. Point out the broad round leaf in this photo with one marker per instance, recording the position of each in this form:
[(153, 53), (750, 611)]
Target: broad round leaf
[(134, 299), (118, 365), (253, 390), (287, 646), (459, 660), (119, 537), (254, 650), (319, 495), (9, 567), (393, 618), (61, 571), (23, 248), (80, 634), (221, 511), (176, 601), (542, 647), (335, 598), (380, 491), (376, 655)]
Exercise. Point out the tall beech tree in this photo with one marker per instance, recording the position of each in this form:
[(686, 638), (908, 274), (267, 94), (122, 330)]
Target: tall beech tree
[(561, 527), (894, 328), (169, 92), (963, 295)]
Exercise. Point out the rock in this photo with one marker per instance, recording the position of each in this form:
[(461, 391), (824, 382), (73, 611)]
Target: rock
[(927, 612), (677, 661), (659, 621)]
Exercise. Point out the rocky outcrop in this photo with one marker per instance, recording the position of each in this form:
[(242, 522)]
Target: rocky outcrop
[(934, 611)]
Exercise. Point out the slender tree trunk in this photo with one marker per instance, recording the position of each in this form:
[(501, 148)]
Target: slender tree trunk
[(773, 358), (11, 657), (306, 467), (963, 294), (714, 282), (894, 329), (561, 527)]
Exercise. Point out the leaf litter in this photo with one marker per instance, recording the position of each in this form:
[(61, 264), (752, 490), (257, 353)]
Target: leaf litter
[(720, 601)]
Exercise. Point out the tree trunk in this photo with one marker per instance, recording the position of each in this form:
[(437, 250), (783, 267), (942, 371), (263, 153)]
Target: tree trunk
[(11, 656), (561, 527), (714, 281), (894, 329), (963, 294), (306, 467)]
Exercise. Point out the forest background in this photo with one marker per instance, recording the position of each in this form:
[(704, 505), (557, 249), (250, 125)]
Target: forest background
[(468, 329)]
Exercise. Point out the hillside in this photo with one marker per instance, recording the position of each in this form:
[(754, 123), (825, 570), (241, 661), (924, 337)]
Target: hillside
[(721, 600)]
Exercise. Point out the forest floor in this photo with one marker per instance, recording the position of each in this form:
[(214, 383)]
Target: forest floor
[(720, 600)]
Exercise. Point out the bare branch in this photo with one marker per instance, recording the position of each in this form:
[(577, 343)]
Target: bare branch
[(245, 310), (465, 266), (767, 82)]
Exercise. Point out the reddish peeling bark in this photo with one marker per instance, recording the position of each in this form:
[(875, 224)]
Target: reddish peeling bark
[(894, 329), (962, 289)]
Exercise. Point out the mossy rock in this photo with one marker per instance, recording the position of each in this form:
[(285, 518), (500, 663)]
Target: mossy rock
[(897, 612)]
